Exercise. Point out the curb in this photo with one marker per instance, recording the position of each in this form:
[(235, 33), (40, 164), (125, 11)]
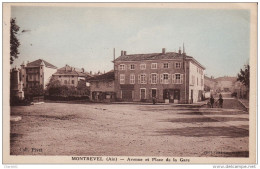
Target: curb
[(247, 108)]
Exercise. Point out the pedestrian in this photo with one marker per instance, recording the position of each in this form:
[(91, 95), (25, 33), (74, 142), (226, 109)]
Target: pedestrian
[(154, 100), (211, 101), (220, 100)]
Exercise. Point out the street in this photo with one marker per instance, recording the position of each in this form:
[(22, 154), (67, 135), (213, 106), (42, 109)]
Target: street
[(130, 130)]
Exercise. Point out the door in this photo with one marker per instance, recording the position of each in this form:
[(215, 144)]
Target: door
[(142, 94), (153, 93), (191, 96), (176, 94), (127, 95)]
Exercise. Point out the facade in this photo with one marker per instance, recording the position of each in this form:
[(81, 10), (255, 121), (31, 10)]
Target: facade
[(70, 76), (226, 84), (102, 87), (210, 84), (37, 72), (168, 76)]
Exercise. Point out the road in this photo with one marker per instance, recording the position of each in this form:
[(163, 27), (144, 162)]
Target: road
[(130, 130)]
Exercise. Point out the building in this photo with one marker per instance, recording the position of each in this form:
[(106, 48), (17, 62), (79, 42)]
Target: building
[(16, 85), (102, 87), (70, 76), (37, 72), (168, 76), (226, 84), (210, 84)]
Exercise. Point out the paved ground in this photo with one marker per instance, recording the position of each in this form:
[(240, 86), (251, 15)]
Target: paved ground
[(130, 130)]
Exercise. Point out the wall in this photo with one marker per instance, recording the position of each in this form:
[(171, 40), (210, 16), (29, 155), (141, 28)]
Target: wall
[(69, 79), (102, 86), (160, 70), (47, 75), (194, 71)]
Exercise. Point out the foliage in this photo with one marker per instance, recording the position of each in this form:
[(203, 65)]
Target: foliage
[(244, 76), (55, 88), (36, 90), (14, 42)]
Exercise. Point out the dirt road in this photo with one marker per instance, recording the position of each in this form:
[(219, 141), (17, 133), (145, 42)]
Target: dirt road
[(128, 130)]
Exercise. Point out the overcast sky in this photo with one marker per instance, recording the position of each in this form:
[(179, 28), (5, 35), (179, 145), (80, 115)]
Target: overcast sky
[(85, 36)]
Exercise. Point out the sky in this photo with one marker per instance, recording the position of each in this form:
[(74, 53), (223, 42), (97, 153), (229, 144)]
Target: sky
[(84, 37)]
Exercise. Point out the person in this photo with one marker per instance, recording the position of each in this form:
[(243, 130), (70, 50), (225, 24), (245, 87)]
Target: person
[(220, 100), (154, 100), (211, 101)]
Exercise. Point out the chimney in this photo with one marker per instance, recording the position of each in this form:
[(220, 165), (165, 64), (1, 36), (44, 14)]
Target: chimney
[(82, 70), (183, 50), (122, 52), (163, 50), (180, 50), (90, 72)]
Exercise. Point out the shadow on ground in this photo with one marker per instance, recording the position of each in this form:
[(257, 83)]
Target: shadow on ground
[(214, 113), (204, 119), (229, 132)]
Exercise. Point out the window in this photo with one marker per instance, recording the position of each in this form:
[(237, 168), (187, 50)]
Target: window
[(132, 79), (166, 65), (178, 65), (143, 66), (65, 81), (153, 78), (122, 79), (72, 81), (41, 75), (59, 76), (97, 85), (72, 76), (177, 78), (197, 81), (142, 79), (154, 66), (109, 84), (122, 67), (165, 78), (192, 79), (132, 67)]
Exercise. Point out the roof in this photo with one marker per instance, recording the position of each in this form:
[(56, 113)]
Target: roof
[(69, 70), (210, 79), (109, 76), (226, 78), (38, 62), (155, 56)]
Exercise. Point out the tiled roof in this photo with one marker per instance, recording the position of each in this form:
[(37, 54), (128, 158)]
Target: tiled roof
[(39, 62), (68, 70), (150, 56), (154, 56), (210, 79), (226, 78), (106, 76)]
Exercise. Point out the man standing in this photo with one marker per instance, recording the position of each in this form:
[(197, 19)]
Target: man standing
[(211, 101)]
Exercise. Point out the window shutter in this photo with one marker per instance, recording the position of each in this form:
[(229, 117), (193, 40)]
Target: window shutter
[(150, 77), (181, 78), (129, 66), (161, 78), (169, 78), (145, 79), (173, 78), (139, 79), (157, 77)]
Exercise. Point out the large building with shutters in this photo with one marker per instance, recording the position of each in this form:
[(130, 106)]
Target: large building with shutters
[(169, 76)]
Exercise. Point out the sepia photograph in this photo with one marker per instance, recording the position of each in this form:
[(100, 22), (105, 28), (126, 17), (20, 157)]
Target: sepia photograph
[(134, 83)]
